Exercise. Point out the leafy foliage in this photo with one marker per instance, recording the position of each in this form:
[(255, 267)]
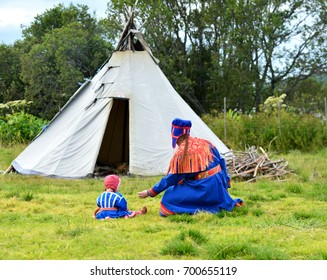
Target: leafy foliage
[(16, 124), (19, 127), (11, 85), (308, 96)]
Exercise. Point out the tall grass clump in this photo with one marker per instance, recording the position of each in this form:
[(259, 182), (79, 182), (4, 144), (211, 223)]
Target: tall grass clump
[(281, 132), (185, 243)]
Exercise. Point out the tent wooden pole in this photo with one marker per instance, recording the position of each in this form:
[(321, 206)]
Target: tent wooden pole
[(9, 169)]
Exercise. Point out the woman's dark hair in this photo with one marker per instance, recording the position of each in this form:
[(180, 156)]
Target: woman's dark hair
[(180, 140)]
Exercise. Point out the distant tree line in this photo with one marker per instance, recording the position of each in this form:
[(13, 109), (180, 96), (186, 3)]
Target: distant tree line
[(245, 50)]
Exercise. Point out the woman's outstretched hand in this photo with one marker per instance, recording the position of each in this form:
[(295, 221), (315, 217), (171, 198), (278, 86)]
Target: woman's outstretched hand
[(143, 194)]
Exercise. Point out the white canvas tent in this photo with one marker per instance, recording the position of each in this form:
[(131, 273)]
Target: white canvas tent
[(122, 115)]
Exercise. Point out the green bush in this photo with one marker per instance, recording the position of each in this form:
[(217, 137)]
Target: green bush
[(19, 127)]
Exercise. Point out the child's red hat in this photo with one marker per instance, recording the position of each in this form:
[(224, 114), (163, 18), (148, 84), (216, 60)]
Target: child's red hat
[(111, 182)]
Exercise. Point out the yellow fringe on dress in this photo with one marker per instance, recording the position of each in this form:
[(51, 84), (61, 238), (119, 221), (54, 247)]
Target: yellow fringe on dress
[(197, 157)]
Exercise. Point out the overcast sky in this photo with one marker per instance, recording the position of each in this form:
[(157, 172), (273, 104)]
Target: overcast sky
[(14, 13)]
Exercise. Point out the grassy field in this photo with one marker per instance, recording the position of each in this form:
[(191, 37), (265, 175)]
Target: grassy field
[(45, 218)]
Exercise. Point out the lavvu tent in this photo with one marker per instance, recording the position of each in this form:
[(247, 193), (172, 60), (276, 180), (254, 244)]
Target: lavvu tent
[(122, 115)]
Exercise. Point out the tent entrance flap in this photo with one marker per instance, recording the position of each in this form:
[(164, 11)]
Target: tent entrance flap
[(114, 150)]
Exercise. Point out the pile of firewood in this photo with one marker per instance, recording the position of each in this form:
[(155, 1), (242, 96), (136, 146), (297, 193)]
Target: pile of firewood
[(251, 165)]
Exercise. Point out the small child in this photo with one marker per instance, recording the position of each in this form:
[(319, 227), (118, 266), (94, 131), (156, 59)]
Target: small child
[(112, 204)]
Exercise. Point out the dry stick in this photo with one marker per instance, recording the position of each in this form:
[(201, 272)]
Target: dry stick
[(247, 164), (252, 170), (246, 172), (271, 142), (284, 166), (234, 163), (262, 150), (257, 167), (274, 162)]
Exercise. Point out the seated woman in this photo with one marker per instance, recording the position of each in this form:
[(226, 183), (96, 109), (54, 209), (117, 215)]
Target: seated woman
[(197, 178)]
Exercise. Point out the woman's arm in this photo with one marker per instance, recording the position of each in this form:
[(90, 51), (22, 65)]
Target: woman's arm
[(162, 185)]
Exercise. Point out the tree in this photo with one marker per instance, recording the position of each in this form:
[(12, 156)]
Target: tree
[(254, 49), (290, 39), (63, 47), (11, 86), (307, 96)]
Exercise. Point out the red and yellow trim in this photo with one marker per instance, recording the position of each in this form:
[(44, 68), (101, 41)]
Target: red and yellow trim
[(208, 173), (151, 192), (164, 211)]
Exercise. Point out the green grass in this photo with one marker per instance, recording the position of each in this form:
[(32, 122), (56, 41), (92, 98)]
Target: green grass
[(46, 218)]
